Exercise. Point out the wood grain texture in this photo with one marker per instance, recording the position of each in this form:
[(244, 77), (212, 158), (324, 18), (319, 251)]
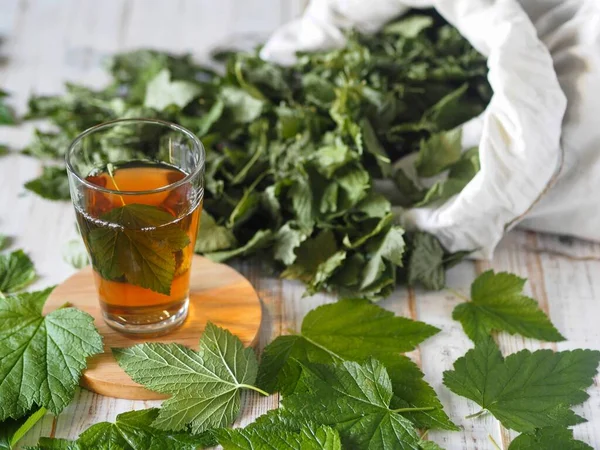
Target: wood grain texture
[(42, 53), (218, 293)]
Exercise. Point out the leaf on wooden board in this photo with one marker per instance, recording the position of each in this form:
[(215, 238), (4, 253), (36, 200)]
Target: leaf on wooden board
[(204, 385)]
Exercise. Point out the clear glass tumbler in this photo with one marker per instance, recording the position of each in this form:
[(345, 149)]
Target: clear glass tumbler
[(137, 188)]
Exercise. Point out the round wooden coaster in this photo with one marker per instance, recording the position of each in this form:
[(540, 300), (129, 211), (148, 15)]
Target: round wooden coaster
[(218, 294)]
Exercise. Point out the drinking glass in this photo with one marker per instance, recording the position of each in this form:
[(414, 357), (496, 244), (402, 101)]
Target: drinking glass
[(137, 188)]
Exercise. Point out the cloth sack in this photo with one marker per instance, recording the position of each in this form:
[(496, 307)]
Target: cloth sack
[(539, 138)]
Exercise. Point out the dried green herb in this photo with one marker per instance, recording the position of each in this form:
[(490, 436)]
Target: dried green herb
[(293, 153)]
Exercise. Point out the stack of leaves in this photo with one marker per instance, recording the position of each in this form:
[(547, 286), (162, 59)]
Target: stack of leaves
[(293, 153)]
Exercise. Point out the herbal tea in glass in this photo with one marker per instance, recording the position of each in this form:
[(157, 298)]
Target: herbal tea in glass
[(138, 217)]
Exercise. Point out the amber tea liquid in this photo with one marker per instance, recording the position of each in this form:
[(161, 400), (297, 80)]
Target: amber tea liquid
[(129, 257)]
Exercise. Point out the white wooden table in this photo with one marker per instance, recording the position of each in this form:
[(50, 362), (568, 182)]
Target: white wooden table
[(47, 42)]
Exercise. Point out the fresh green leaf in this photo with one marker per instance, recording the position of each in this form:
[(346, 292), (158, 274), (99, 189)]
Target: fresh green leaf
[(527, 390), (355, 400), (350, 329), (204, 386), (548, 439), (497, 303), (75, 254), (429, 445), (16, 271), (140, 246), (213, 237), (131, 431), (41, 357), (356, 330), (425, 263), (53, 184), (412, 391), (439, 152), (12, 431), (307, 438), (162, 92), (3, 150)]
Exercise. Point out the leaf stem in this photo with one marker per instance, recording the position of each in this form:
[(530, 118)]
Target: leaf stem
[(494, 443), (325, 349), (458, 294), (477, 414), (111, 174), (254, 388), (403, 410), (27, 425)]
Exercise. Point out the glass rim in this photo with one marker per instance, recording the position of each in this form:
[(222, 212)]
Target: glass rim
[(197, 143)]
